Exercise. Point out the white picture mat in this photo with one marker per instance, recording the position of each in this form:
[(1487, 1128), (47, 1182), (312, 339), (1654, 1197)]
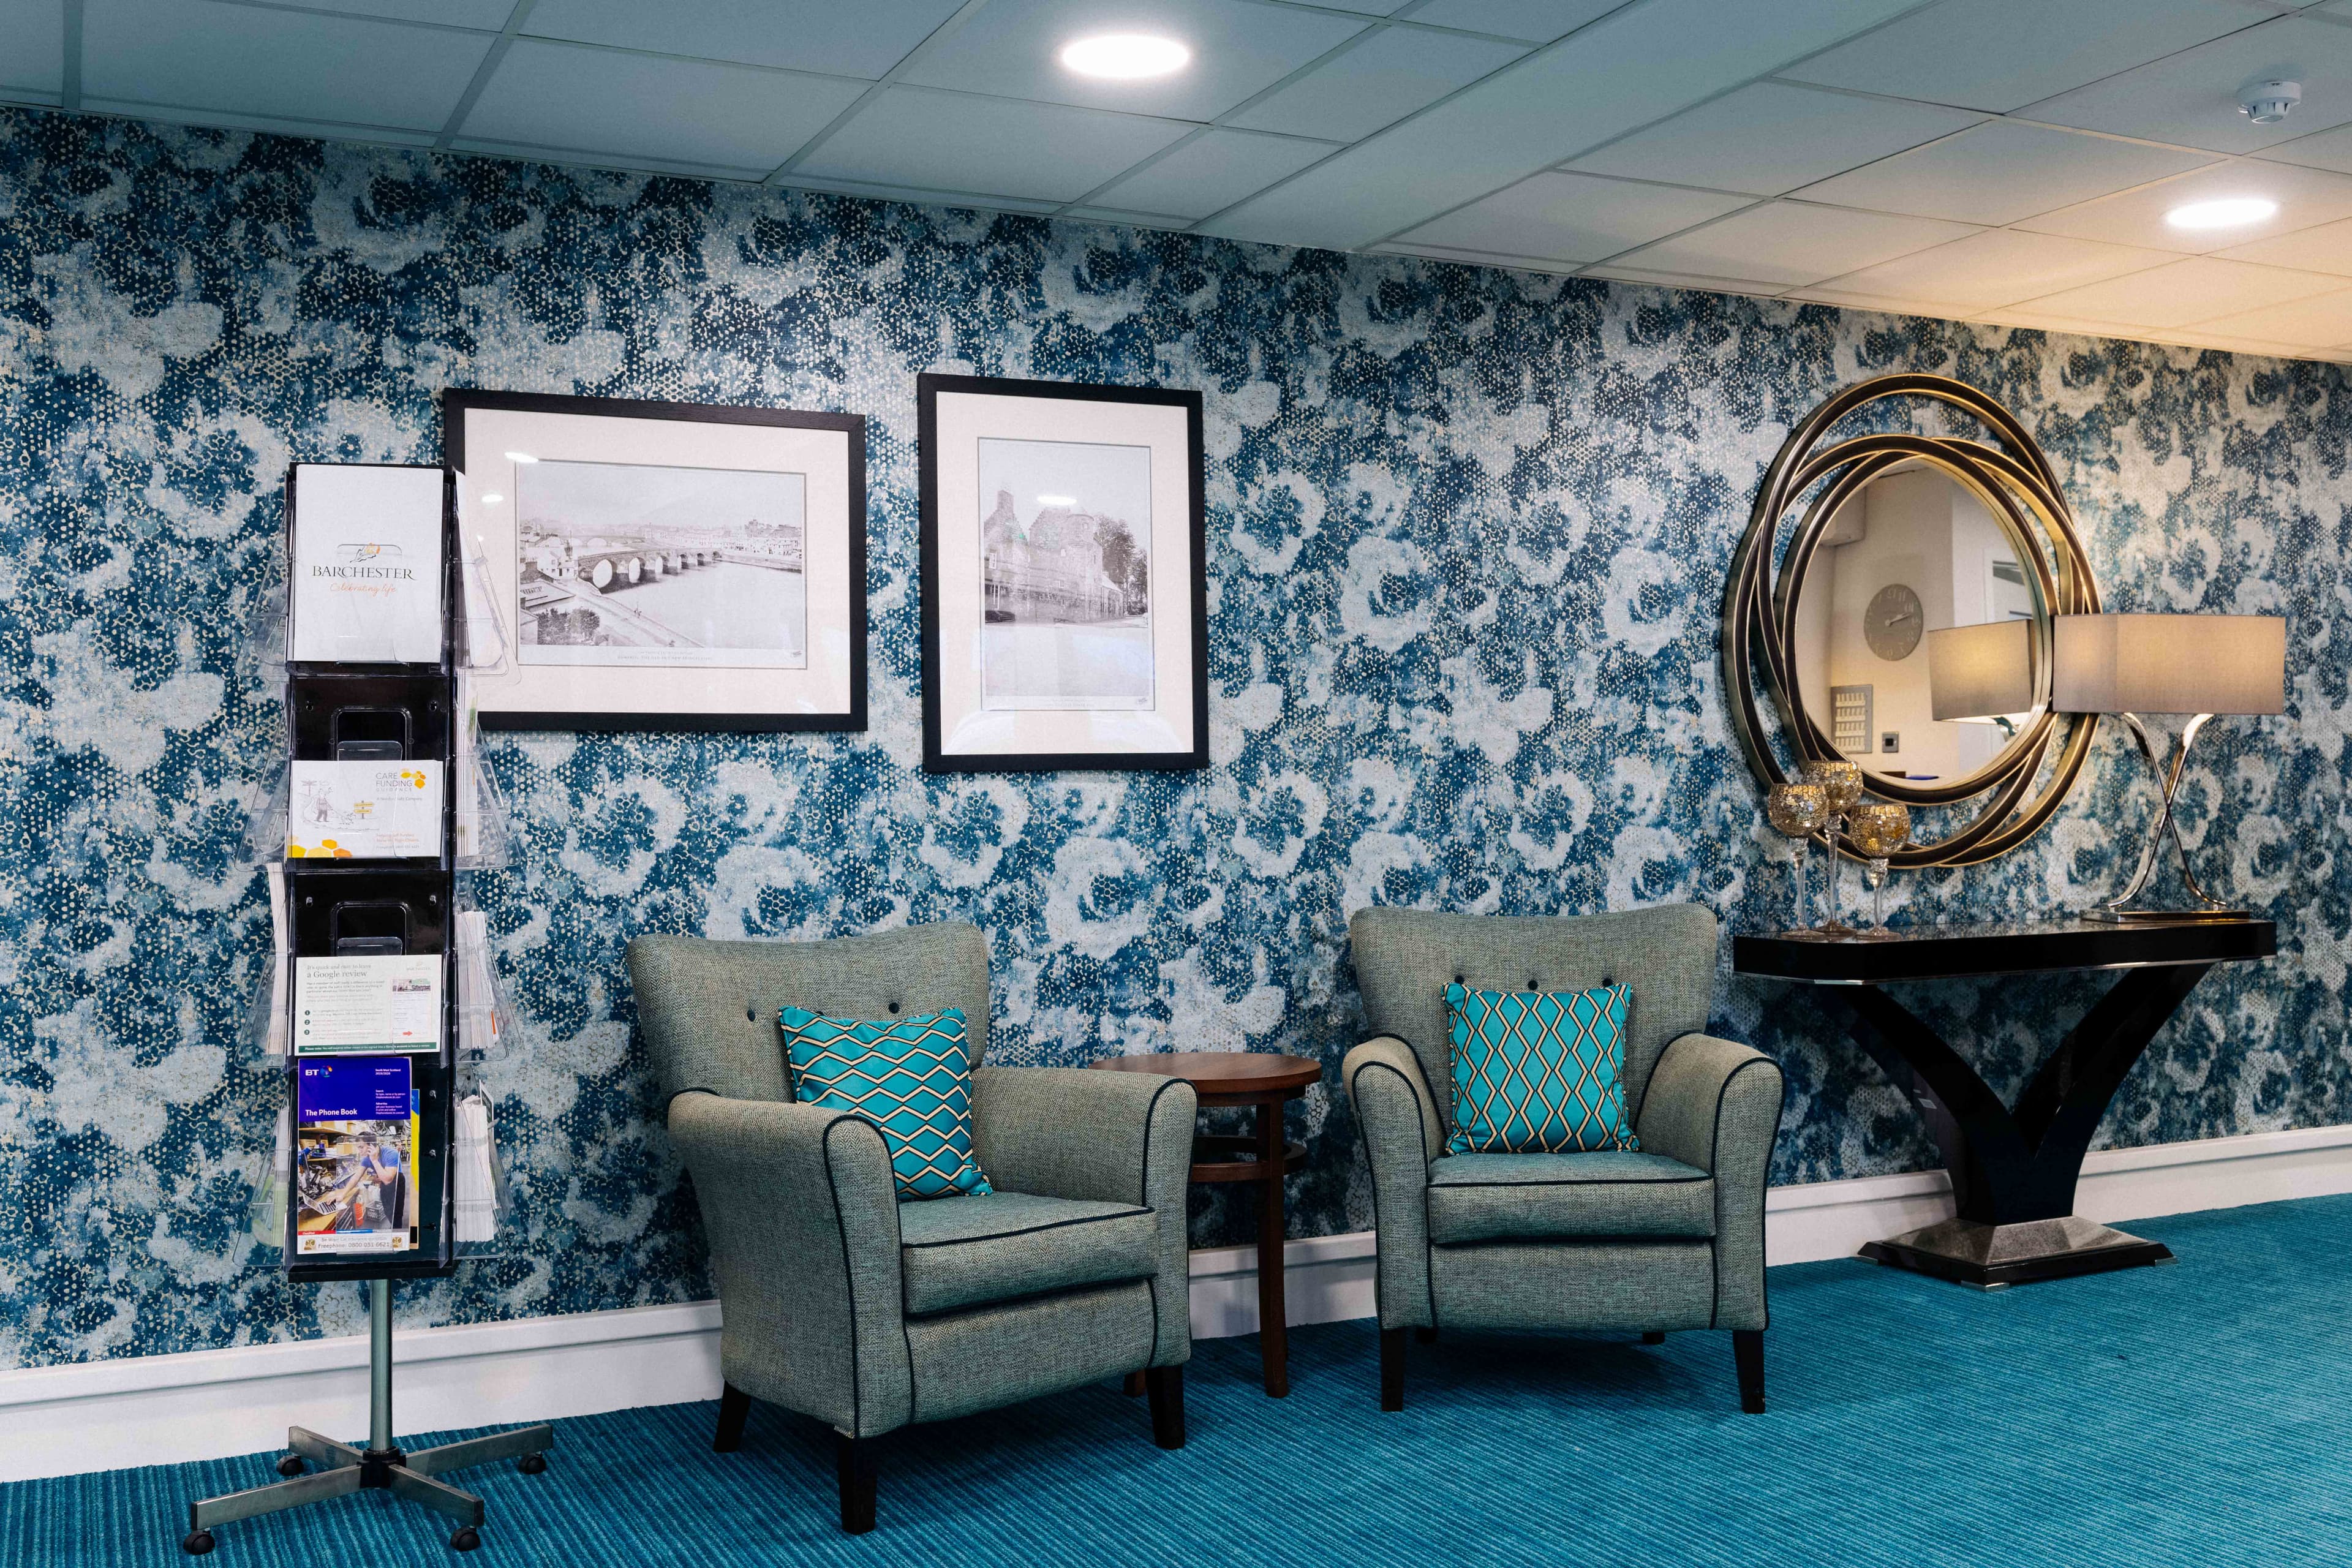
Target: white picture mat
[(969, 729), (824, 686), (342, 510)]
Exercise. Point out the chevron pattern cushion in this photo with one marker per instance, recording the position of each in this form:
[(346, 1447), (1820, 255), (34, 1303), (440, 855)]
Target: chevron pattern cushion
[(1537, 1072), (911, 1079)]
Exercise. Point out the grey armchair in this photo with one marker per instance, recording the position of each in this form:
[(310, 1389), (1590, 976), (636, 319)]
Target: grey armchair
[(1668, 1238), (845, 1304)]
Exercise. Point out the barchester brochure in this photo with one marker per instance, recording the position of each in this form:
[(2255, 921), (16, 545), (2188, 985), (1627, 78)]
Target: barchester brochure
[(355, 1139), (367, 563)]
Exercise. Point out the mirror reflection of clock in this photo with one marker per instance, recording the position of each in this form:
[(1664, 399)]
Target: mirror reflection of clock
[(1893, 623)]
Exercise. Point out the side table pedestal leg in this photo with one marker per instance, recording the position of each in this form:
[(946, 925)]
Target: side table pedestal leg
[(1272, 1342)]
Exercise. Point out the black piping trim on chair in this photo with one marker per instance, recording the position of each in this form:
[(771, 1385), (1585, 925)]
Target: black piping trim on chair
[(849, 1274), (1028, 1230), (1715, 1147), (1143, 1197), (1420, 1125)]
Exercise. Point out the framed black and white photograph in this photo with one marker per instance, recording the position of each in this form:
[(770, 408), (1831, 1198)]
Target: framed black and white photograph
[(666, 565), (1064, 587)]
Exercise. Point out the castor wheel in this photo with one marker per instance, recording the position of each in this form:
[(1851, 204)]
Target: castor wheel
[(531, 1464), (292, 1466), (196, 1543), (465, 1538)]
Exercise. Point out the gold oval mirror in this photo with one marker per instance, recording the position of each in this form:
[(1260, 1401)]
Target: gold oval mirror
[(1905, 625)]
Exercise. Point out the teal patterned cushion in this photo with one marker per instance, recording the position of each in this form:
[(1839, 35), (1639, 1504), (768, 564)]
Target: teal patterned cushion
[(912, 1081), (1538, 1072)]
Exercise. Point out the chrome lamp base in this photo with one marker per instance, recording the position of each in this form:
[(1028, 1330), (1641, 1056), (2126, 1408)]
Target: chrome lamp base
[(2126, 909)]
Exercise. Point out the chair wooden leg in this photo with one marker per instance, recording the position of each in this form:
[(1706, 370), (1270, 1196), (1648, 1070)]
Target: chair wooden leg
[(1748, 1355), (1133, 1385), (1391, 1369), (1165, 1384), (854, 1459), (1427, 1336), (1654, 1336), (734, 1404)]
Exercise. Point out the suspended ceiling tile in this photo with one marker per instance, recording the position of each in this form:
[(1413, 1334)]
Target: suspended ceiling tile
[(2186, 292), (2073, 326), (2306, 198), (1632, 67), (864, 39), (1768, 138), (647, 105), (1238, 50), (2327, 248), (996, 146), (2325, 150), (1538, 21), (32, 49), (2321, 322), (1571, 218), (1376, 82), (1616, 272), (1124, 219), (2004, 53), (1995, 268), (2001, 171), (2191, 98), (1212, 171), (1793, 243), (918, 195), (1368, 7), (1477, 258), (487, 15), (290, 65), (271, 124), (635, 163)]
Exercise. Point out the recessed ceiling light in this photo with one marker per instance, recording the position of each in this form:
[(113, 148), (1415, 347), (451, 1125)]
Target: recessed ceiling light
[(1125, 57), (520, 457), (2230, 212)]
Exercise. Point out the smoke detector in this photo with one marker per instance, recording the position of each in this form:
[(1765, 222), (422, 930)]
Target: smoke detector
[(2268, 102)]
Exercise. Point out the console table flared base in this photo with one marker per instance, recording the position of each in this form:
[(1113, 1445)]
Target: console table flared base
[(1992, 1257)]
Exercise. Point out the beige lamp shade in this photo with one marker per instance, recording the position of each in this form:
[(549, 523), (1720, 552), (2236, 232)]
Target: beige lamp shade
[(1980, 671), (2168, 664)]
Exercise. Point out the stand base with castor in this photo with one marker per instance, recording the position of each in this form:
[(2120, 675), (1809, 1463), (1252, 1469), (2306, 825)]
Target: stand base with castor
[(345, 1469)]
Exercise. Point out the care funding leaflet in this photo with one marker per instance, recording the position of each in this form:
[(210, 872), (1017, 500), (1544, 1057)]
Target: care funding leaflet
[(387, 1003)]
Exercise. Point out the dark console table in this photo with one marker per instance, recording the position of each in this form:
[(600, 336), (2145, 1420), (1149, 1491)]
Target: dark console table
[(2013, 1171)]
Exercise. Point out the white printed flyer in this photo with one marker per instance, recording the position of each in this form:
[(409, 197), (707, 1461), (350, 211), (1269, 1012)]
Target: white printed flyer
[(363, 811), (389, 1003), (367, 574)]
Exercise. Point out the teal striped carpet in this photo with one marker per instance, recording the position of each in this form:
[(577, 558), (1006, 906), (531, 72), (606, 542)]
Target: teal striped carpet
[(2193, 1416)]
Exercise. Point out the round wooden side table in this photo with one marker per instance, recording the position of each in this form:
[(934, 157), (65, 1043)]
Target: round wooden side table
[(1267, 1081)]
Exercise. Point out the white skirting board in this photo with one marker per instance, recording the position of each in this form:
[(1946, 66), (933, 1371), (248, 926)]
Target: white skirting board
[(148, 1410)]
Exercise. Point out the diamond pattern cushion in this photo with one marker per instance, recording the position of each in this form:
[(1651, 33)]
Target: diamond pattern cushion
[(1567, 1197), (1537, 1072), (911, 1079), (1007, 1246)]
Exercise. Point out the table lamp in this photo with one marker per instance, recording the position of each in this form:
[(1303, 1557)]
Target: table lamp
[(2196, 665), (1981, 672)]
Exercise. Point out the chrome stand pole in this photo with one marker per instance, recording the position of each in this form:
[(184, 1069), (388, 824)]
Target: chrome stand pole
[(380, 1364)]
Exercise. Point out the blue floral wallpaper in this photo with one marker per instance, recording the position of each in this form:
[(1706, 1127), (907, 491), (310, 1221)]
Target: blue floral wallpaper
[(1467, 534)]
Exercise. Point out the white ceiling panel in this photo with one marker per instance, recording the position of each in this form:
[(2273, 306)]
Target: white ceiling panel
[(1238, 51), (1629, 67), (1997, 267), (2004, 53), (32, 47), (2327, 150), (1538, 21), (275, 125), (991, 147), (2306, 198), (2185, 292), (1571, 218), (1625, 274), (961, 200), (2324, 321), (487, 15), (2327, 248), (864, 39), (1121, 216), (1768, 138), (1792, 243), (679, 112), (2001, 171), (1478, 258), (287, 65), (1212, 171), (573, 157), (2191, 98), (1376, 82)]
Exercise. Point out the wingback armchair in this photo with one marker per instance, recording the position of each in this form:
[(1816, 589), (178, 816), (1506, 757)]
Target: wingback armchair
[(1671, 1238), (842, 1302)]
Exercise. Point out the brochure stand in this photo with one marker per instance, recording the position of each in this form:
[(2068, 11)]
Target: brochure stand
[(375, 994)]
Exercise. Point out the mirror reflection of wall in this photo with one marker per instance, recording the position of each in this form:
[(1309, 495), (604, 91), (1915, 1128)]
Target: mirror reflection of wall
[(1912, 552)]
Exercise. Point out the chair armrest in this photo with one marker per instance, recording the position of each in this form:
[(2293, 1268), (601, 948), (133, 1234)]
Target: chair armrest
[(1111, 1137), (1715, 1104), (1402, 1133), (803, 1218)]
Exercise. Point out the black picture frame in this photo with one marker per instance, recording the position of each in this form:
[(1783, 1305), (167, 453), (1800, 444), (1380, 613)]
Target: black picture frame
[(929, 387), (457, 400)]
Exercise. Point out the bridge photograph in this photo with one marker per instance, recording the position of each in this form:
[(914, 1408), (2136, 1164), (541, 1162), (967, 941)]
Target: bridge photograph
[(628, 564)]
